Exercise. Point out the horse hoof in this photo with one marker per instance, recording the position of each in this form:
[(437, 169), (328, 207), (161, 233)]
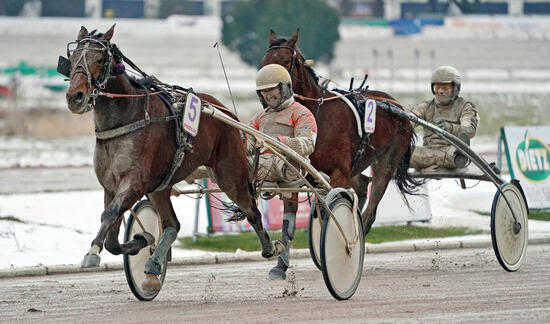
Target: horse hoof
[(145, 236), (277, 248), (276, 274), (151, 282), (90, 261)]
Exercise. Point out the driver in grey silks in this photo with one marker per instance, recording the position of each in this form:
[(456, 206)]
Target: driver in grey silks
[(449, 112)]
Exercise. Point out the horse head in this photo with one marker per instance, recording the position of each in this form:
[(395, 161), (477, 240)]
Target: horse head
[(91, 63), (284, 52)]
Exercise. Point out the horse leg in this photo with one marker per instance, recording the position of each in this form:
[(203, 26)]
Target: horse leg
[(254, 217), (241, 196), (360, 184), (170, 229), (382, 171), (123, 199), (289, 227)]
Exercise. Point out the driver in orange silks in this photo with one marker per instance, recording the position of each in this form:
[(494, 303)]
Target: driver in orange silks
[(283, 118), (293, 125)]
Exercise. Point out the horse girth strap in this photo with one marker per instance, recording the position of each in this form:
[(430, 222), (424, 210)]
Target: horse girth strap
[(176, 162), (129, 128)]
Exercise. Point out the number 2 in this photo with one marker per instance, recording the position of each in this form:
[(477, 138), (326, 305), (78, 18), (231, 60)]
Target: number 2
[(370, 106)]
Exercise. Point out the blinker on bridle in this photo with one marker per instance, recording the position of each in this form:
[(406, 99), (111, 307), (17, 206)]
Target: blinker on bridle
[(294, 56), (64, 65)]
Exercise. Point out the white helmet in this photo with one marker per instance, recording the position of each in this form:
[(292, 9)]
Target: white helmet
[(447, 74), (273, 75)]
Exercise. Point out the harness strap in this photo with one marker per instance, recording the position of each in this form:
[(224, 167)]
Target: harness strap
[(176, 162), (123, 130)]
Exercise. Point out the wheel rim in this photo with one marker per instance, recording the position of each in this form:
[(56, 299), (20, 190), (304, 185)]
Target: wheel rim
[(314, 234), (509, 246), (341, 269), (134, 265)]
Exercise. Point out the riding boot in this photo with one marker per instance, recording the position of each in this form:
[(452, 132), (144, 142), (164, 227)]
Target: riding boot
[(461, 160)]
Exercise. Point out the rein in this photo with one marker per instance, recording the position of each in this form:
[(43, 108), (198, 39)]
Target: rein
[(295, 58), (347, 94), (122, 95)]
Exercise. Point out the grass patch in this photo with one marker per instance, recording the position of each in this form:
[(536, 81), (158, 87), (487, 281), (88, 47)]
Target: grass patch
[(248, 241), (539, 214), (536, 214), (11, 219)]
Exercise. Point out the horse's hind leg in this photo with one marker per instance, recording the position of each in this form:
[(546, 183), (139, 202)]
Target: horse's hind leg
[(288, 230), (236, 187), (170, 229), (247, 205)]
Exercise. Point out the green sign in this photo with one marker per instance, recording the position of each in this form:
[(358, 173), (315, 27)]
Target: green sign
[(533, 158)]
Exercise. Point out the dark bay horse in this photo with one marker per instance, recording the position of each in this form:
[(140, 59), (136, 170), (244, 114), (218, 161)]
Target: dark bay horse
[(134, 163), (387, 150)]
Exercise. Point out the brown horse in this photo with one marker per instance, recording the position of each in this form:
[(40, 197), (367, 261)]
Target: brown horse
[(387, 150), (131, 163)]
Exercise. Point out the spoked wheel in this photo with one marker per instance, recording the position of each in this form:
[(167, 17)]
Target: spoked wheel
[(134, 265), (315, 224), (342, 265), (510, 237)]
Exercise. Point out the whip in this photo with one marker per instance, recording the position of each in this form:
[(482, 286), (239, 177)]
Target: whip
[(226, 80)]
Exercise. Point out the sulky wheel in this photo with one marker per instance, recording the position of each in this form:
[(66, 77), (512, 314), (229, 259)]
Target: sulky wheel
[(315, 224), (509, 237), (342, 266), (134, 265)]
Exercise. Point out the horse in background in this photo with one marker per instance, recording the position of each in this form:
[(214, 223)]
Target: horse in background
[(338, 148), (131, 162)]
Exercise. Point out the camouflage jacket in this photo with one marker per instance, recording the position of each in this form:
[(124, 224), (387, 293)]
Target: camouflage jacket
[(461, 114)]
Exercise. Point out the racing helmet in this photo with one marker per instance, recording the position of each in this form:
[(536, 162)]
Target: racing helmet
[(447, 74), (274, 75)]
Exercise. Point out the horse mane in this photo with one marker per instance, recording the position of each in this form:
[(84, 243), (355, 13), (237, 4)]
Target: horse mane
[(93, 34)]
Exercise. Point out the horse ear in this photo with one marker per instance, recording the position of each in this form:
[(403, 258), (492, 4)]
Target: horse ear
[(82, 33), (272, 36), (109, 34), (294, 39)]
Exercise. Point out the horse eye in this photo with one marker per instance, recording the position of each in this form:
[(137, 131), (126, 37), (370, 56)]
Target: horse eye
[(100, 60)]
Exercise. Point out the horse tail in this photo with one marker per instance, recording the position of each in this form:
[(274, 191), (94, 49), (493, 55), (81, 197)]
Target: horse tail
[(232, 208), (407, 185)]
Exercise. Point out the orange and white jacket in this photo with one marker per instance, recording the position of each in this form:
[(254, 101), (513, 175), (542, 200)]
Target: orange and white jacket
[(294, 126)]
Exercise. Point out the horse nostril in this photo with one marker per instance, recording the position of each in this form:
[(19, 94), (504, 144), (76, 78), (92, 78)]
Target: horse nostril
[(79, 97)]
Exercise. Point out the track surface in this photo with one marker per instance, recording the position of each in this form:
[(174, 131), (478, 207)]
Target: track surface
[(465, 285)]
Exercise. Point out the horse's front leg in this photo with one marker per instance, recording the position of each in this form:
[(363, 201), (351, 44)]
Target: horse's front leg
[(126, 196), (360, 183)]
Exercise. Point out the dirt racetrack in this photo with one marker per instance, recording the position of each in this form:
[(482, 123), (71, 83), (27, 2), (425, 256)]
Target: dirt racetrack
[(464, 285)]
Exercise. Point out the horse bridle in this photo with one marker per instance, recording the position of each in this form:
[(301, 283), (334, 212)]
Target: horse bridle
[(82, 65), (296, 59), (294, 55)]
